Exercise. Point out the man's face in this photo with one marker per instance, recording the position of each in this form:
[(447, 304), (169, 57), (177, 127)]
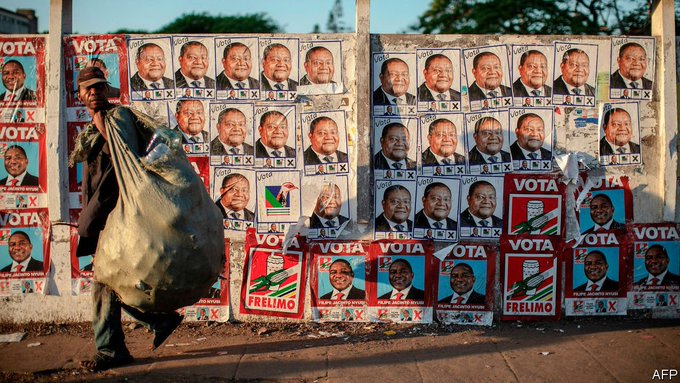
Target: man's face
[(15, 162), (274, 131), (531, 134), (462, 280), (488, 72), (329, 202), (395, 144), (437, 204), (575, 71), (633, 63), (320, 68), (194, 62), (400, 275), (93, 97), (439, 76), (238, 63), (325, 138), (482, 203), (232, 128), (489, 138), (151, 63), (191, 117), (656, 261), (395, 80), (19, 247), (595, 266), (534, 72), (601, 211), (277, 65), (397, 206), (443, 139), (340, 276), (619, 129), (13, 76), (236, 194)]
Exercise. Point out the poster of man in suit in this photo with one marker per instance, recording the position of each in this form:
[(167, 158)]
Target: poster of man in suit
[(531, 137), (438, 80), (488, 77), (324, 139), (152, 69), (620, 134), (532, 72), (279, 72), (237, 62), (437, 206), (275, 136), (442, 141), (322, 65), (195, 59), (231, 129), (393, 79), (632, 68), (576, 70)]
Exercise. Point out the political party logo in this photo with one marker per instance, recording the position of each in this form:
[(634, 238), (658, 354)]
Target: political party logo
[(276, 280), (4, 236), (580, 256), (325, 264), (640, 250), (277, 199), (80, 62), (445, 268), (384, 264), (531, 280), (532, 215)]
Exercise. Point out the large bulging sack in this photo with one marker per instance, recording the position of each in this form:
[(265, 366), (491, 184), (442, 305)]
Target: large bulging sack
[(163, 244)]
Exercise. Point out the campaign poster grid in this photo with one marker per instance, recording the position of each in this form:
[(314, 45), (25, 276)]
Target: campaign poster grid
[(338, 280), (465, 285)]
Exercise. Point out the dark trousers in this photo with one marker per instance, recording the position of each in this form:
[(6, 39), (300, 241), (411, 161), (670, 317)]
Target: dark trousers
[(109, 337)]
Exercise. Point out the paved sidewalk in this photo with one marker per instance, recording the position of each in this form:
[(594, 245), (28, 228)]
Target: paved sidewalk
[(585, 350)]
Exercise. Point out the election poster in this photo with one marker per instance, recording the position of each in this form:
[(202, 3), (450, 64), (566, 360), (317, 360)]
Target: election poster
[(151, 69), (620, 134), (605, 203), (231, 129), (532, 135), (189, 118), (279, 79), (655, 268), (278, 200), (234, 194), (403, 273), (393, 79), (488, 77), (438, 80), (23, 178), (75, 172), (465, 285), (437, 208), (481, 207), (338, 280), (534, 204), (24, 251), (324, 139), (576, 81), (532, 70), (632, 67), (202, 169), (237, 62), (531, 277), (214, 307), (329, 214), (442, 142), (82, 268), (395, 148), (106, 52), (488, 148), (596, 277), (274, 276), (22, 91), (276, 144), (194, 58), (321, 62), (394, 209)]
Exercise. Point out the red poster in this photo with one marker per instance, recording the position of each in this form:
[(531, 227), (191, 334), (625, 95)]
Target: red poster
[(465, 285), (23, 179), (274, 277), (82, 270), (403, 273), (338, 280), (534, 205), (22, 89), (596, 278), (202, 168), (655, 269), (109, 53), (604, 203), (215, 306), (24, 251), (531, 277)]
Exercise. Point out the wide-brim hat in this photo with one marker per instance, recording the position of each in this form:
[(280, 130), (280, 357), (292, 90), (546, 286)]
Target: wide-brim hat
[(90, 76)]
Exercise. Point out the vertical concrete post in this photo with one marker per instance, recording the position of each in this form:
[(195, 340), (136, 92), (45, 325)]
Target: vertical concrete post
[(663, 25), (363, 88)]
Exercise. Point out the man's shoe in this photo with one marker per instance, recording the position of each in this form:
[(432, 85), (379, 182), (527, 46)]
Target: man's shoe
[(101, 362), (165, 329)]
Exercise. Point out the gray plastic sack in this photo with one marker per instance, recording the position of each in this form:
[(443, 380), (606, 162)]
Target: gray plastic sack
[(163, 244)]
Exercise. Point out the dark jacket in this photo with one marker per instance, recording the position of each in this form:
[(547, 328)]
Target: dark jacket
[(217, 149), (562, 88), (181, 82), (475, 298), (518, 154), (606, 149), (475, 157), (518, 90), (616, 81), (292, 84), (607, 285), (669, 279), (428, 158), (614, 226), (29, 180), (138, 84), (421, 222), (26, 95), (476, 93), (424, 94), (380, 163), (33, 265), (261, 152), (311, 158), (414, 293), (380, 98), (224, 83), (247, 214), (467, 220), (354, 293), (315, 222), (381, 224), (305, 81)]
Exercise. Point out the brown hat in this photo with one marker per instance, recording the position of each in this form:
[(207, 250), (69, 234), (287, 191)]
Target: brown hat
[(90, 76)]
